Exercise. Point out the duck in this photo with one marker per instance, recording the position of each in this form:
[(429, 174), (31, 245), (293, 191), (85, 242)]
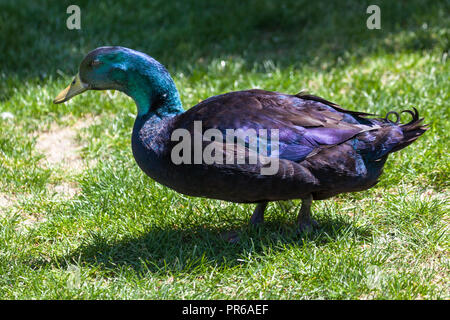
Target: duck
[(282, 147)]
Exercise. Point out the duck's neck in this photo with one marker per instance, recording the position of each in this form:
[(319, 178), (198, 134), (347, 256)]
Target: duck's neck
[(153, 91)]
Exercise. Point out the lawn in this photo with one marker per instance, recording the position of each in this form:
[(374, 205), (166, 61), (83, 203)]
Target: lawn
[(79, 220)]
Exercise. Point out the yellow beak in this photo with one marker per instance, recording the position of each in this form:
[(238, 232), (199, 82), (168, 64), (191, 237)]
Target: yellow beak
[(76, 87)]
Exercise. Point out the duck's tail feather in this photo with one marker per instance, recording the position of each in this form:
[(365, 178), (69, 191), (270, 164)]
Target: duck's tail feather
[(411, 130)]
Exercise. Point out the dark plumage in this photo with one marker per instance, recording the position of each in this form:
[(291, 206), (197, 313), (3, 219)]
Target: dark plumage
[(324, 150)]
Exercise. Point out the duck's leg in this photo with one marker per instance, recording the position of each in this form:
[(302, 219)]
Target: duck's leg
[(258, 214), (257, 218), (304, 220)]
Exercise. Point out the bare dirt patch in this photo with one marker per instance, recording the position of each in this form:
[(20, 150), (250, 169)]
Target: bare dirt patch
[(62, 151), (60, 147), (433, 194), (64, 190), (30, 221), (6, 201)]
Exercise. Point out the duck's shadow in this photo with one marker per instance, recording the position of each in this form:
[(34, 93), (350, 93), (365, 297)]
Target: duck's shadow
[(174, 250)]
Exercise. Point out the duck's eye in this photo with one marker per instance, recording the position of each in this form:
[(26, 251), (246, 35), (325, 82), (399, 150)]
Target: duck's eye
[(95, 63)]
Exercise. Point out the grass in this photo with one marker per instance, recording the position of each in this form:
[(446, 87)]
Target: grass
[(120, 235)]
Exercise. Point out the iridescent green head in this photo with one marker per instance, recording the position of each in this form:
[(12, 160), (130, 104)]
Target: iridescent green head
[(138, 75)]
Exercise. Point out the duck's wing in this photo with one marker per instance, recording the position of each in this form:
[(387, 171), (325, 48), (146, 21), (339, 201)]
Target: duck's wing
[(305, 123)]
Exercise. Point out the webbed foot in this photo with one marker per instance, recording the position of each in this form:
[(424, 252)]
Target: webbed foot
[(308, 226), (230, 236)]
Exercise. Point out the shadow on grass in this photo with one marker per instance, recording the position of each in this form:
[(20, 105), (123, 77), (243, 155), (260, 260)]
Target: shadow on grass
[(196, 249)]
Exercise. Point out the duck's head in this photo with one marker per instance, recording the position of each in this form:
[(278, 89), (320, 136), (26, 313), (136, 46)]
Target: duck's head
[(132, 72)]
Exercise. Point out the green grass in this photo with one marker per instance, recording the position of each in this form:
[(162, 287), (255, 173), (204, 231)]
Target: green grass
[(123, 236)]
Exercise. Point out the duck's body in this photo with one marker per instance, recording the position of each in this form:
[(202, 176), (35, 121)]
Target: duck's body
[(323, 150)]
